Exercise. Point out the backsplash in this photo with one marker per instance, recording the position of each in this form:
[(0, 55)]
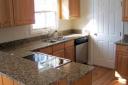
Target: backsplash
[(23, 32)]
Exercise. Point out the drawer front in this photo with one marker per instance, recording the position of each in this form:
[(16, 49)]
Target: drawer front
[(122, 48), (59, 53), (57, 47), (47, 50), (69, 43), (121, 53)]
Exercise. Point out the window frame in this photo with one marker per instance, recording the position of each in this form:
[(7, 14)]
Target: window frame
[(42, 29)]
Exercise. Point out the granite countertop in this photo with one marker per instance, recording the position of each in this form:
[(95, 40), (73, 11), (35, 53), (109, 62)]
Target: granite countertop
[(27, 72), (122, 42), (75, 71), (27, 48)]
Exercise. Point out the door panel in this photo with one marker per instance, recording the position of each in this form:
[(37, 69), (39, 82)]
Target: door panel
[(108, 27)]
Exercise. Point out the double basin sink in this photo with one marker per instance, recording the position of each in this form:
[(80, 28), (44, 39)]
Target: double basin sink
[(54, 40)]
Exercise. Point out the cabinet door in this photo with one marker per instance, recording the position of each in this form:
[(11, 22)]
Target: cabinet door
[(69, 9), (23, 12), (1, 82), (125, 10), (86, 80), (58, 47), (60, 82), (74, 8), (59, 53), (7, 81), (16, 83), (6, 13), (122, 65), (70, 53), (47, 50), (122, 60)]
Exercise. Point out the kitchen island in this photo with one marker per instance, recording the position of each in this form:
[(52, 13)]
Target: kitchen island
[(19, 71), (28, 73)]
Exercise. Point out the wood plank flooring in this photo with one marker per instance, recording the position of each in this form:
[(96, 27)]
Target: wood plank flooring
[(104, 76)]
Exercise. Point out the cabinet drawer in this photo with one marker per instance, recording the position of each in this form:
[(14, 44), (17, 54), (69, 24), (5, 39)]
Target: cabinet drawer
[(57, 47), (59, 53), (69, 43), (122, 48), (122, 53), (47, 50)]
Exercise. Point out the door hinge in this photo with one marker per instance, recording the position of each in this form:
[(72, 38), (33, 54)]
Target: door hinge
[(120, 34), (121, 3)]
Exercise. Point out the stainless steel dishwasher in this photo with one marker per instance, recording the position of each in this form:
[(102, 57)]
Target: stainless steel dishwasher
[(81, 45)]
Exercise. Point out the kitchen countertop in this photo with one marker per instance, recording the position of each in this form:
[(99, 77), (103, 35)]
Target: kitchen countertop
[(122, 42), (27, 48), (13, 65), (75, 71), (27, 72)]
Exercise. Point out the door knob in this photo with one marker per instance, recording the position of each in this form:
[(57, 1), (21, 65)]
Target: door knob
[(95, 34)]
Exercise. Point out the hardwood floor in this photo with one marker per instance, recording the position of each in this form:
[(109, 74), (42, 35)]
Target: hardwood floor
[(103, 76)]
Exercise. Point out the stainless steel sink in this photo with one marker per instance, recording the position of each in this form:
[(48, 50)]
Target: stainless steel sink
[(54, 40)]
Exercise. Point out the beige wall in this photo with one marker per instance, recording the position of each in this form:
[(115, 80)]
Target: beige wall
[(21, 32), (126, 28), (86, 15)]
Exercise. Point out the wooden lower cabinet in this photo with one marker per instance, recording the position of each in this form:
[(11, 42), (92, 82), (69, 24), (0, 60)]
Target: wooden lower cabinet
[(4, 80), (47, 50), (122, 60), (70, 53), (7, 80), (63, 50), (60, 82), (59, 53), (85, 80), (1, 82)]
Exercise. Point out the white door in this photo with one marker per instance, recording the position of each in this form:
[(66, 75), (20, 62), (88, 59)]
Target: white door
[(107, 16)]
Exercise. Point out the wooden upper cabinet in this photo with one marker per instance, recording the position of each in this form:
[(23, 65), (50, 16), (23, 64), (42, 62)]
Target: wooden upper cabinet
[(125, 10), (23, 12), (69, 9), (74, 8), (16, 12), (6, 13)]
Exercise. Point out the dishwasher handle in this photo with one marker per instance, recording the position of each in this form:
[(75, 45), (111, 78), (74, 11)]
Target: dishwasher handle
[(81, 40)]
